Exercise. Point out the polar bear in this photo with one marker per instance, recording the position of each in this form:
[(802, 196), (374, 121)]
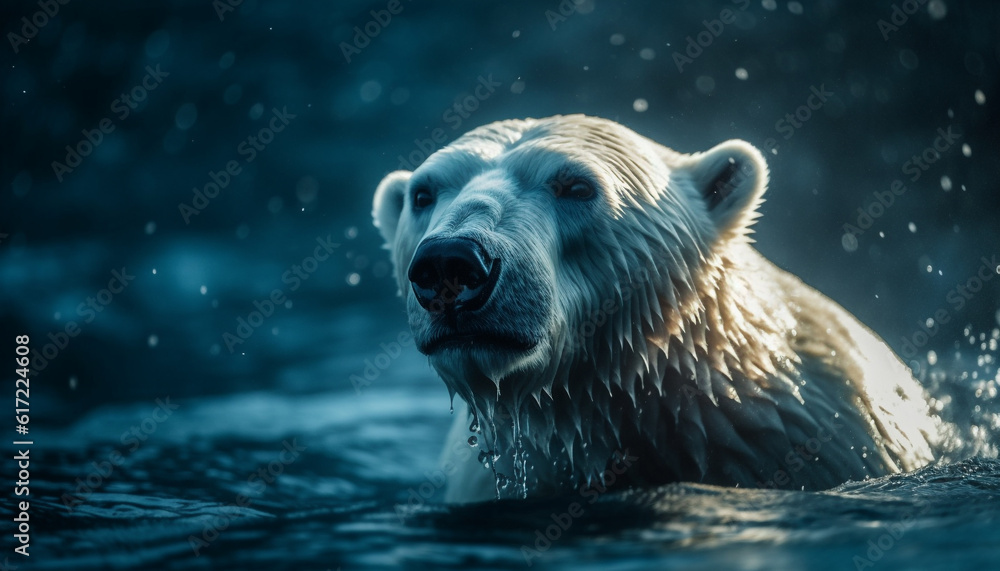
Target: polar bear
[(593, 299)]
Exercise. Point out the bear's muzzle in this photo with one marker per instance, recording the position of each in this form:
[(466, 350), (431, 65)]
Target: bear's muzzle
[(452, 275)]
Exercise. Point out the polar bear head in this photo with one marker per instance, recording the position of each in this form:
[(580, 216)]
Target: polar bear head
[(550, 255)]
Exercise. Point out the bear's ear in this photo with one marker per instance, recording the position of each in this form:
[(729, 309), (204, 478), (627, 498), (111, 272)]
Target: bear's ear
[(731, 179), (388, 203)]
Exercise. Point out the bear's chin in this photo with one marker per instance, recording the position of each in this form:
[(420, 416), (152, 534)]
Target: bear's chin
[(468, 361)]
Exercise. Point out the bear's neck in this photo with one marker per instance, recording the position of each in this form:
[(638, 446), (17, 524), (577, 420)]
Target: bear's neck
[(625, 392)]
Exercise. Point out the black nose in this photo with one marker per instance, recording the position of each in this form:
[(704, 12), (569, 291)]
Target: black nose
[(452, 274)]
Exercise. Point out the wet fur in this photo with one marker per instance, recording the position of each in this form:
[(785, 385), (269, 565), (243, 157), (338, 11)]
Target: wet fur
[(660, 330)]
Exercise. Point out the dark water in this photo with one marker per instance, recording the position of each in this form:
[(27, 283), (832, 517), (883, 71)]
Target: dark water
[(116, 482), (352, 472)]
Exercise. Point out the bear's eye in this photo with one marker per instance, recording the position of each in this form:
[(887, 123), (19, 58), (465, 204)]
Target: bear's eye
[(422, 198), (576, 188)]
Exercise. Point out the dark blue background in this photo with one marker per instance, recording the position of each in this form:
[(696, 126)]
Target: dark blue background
[(119, 208)]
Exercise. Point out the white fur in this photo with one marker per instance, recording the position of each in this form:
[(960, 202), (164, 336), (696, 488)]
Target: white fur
[(660, 331)]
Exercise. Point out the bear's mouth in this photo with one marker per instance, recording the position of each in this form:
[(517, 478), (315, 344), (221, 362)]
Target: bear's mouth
[(467, 341)]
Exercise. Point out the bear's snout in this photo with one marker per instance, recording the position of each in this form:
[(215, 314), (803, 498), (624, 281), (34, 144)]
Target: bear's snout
[(452, 274)]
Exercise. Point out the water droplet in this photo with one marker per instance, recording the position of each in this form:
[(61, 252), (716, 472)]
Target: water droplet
[(932, 358), (966, 150), (307, 189), (370, 91), (980, 97), (795, 8), (849, 242), (227, 60), (617, 39), (912, 227), (741, 74), (203, 290), (647, 54), (704, 84), (640, 105), (153, 340), (937, 9), (946, 183), (186, 116)]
